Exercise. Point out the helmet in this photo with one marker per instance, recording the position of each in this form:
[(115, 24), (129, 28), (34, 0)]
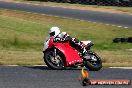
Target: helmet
[(54, 31)]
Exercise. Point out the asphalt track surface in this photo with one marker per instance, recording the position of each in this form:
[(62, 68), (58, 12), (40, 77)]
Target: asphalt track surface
[(43, 77), (101, 17)]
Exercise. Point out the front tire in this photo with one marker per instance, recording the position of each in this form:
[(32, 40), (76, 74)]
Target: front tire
[(56, 63), (95, 63)]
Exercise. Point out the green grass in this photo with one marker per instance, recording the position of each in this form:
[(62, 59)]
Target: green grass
[(20, 33), (22, 36), (123, 9), (21, 57)]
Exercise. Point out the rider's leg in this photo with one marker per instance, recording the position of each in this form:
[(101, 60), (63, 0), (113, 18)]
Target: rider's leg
[(79, 46), (85, 54)]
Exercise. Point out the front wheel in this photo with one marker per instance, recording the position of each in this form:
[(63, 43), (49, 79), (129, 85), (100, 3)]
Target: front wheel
[(95, 63), (54, 62)]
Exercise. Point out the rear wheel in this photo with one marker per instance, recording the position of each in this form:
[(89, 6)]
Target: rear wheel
[(54, 61), (95, 63)]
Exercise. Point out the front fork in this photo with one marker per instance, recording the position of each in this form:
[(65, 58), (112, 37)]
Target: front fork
[(54, 53)]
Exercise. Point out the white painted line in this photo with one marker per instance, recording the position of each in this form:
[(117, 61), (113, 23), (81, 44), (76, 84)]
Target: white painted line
[(95, 22), (23, 65), (76, 68), (107, 24), (113, 25), (126, 27), (122, 67), (119, 26), (39, 65), (11, 65)]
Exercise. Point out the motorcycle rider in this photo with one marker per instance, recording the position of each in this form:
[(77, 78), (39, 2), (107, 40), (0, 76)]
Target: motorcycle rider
[(58, 36)]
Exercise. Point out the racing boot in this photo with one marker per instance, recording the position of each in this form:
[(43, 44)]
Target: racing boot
[(86, 55)]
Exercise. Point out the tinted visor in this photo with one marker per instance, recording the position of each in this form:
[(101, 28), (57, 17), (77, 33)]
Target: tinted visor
[(52, 33)]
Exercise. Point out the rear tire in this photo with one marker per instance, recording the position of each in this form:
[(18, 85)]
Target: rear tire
[(94, 65), (56, 63)]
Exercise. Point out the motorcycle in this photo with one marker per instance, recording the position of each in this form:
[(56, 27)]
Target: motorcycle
[(60, 55)]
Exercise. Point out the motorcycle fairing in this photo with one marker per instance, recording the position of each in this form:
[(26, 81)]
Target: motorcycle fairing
[(71, 55)]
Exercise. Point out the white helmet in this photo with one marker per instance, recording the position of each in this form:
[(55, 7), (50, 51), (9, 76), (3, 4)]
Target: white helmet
[(54, 31)]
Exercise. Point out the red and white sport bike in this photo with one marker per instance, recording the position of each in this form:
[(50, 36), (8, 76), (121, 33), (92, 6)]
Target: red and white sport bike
[(61, 55)]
